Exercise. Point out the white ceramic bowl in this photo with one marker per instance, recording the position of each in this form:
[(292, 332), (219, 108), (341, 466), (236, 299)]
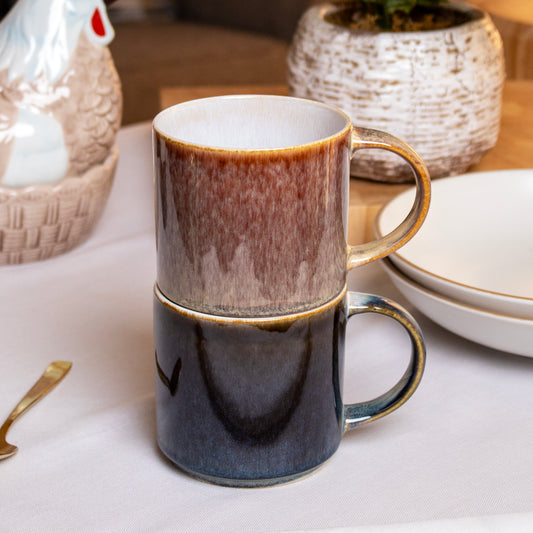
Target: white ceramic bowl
[(498, 331), (476, 245)]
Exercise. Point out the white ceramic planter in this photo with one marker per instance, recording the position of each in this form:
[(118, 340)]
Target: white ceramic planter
[(438, 90)]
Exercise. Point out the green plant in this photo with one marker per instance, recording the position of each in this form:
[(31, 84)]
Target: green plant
[(386, 11)]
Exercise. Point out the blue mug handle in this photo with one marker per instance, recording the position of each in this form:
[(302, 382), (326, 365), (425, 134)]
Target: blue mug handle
[(357, 414)]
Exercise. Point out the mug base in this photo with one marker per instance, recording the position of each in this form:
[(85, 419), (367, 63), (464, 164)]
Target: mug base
[(242, 483)]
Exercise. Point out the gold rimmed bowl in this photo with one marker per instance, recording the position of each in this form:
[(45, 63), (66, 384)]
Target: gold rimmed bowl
[(476, 245)]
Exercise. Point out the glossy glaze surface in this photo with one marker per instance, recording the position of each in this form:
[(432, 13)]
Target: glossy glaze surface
[(249, 403), (254, 232)]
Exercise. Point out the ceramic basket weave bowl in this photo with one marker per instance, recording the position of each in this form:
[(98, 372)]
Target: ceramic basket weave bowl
[(440, 91), (42, 221)]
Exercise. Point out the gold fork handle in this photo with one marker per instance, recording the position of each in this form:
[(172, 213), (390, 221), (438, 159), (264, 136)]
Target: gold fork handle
[(54, 373)]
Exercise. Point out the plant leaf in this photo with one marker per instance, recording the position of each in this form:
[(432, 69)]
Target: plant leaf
[(399, 5), (390, 6), (430, 3)]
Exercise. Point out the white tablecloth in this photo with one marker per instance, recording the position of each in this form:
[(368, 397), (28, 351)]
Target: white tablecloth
[(457, 457)]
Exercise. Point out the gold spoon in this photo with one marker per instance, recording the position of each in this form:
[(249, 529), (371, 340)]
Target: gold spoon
[(55, 372)]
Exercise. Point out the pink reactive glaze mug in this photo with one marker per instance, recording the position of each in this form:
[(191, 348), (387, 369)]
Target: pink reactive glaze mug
[(252, 197)]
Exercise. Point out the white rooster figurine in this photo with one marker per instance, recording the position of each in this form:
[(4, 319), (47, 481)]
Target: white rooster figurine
[(60, 95)]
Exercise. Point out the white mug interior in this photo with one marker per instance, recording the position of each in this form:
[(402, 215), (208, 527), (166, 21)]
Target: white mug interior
[(250, 122)]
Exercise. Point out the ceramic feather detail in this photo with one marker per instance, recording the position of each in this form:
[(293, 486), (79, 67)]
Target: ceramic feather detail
[(60, 95), (60, 110)]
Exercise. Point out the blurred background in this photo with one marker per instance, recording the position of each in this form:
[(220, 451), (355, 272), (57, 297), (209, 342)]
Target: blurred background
[(169, 43), (165, 43)]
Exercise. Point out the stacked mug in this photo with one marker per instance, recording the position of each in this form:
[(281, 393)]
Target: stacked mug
[(251, 304)]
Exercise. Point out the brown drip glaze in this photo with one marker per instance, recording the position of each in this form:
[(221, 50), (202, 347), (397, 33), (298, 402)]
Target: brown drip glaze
[(251, 233)]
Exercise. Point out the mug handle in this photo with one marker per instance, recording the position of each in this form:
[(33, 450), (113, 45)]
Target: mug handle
[(360, 413), (365, 253)]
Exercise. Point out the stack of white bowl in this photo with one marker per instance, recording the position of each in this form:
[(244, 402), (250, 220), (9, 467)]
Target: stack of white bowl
[(470, 267)]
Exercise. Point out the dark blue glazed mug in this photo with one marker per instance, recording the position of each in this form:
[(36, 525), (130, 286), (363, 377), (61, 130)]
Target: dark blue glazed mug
[(251, 402)]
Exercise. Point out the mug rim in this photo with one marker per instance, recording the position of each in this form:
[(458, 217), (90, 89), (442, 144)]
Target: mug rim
[(205, 147), (262, 319)]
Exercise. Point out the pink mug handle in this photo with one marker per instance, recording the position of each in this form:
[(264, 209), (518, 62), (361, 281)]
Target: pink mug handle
[(365, 253)]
